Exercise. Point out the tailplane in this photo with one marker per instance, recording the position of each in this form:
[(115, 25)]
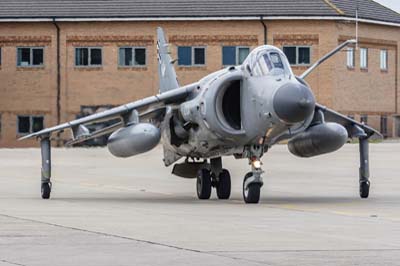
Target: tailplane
[(166, 71)]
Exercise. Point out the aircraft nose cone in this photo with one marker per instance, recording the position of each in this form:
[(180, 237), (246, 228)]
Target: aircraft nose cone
[(294, 102)]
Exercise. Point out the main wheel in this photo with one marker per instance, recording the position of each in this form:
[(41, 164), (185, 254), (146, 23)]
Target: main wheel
[(224, 185), (251, 193), (46, 190), (203, 184), (364, 189)]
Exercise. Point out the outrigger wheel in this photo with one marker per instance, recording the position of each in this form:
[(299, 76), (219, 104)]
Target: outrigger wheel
[(46, 190), (203, 184), (364, 189)]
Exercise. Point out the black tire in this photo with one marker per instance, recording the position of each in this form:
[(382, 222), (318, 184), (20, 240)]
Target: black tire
[(203, 184), (224, 185), (364, 189), (46, 190), (251, 194)]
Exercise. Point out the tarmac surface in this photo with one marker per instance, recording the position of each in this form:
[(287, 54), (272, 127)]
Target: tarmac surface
[(109, 211)]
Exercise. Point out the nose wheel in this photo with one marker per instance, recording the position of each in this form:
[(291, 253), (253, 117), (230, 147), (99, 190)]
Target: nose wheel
[(251, 188)]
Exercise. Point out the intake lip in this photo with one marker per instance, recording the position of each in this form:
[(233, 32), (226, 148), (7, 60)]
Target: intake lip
[(294, 102)]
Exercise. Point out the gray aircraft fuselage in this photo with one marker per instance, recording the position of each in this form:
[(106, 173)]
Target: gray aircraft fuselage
[(252, 104)]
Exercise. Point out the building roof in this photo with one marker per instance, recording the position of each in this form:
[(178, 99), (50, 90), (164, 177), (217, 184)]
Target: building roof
[(158, 9)]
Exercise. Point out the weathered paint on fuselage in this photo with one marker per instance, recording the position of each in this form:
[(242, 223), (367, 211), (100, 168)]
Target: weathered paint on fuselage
[(260, 125)]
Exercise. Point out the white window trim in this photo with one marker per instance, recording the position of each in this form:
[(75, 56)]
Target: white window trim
[(384, 67), (31, 48), (297, 53), (237, 53), (351, 51), (192, 56), (89, 56), (133, 57), (31, 117), (366, 58)]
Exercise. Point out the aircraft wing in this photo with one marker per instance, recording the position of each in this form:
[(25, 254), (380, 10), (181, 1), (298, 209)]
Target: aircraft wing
[(145, 108), (348, 123)]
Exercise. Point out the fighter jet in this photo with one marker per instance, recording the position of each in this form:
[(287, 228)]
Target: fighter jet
[(239, 111)]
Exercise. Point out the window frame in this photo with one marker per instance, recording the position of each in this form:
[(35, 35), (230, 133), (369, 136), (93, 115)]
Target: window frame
[(386, 62), (384, 125), (31, 117), (364, 119), (237, 48), (192, 56), (366, 58), (133, 56), (297, 53), (89, 65), (31, 48), (353, 58)]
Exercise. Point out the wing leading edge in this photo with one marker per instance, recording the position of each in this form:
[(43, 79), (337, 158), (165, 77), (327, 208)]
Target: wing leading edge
[(350, 124), (143, 106)]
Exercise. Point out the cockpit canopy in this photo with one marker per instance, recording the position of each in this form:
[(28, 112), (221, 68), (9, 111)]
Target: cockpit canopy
[(267, 60)]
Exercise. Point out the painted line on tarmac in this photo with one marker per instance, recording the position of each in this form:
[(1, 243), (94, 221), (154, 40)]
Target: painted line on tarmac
[(133, 239)]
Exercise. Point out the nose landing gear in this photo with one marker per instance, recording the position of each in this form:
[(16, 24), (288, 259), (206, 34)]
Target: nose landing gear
[(252, 183)]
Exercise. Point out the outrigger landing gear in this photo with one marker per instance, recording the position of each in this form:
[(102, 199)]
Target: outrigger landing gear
[(45, 147), (364, 168), (213, 175)]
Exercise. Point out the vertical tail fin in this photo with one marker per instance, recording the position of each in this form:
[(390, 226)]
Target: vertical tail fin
[(166, 71)]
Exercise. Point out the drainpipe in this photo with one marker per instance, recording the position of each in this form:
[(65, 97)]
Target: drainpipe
[(265, 29), (58, 78)]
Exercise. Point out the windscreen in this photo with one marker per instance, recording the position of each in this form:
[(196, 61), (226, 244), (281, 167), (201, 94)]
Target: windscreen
[(267, 63)]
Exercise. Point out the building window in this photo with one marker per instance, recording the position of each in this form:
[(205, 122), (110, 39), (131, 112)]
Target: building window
[(191, 56), (384, 60), (234, 55), (298, 55), (88, 56), (350, 58), (30, 124), (132, 56), (384, 122), (364, 58), (364, 119), (30, 56)]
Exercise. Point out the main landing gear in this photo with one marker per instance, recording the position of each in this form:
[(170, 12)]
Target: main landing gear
[(213, 176)]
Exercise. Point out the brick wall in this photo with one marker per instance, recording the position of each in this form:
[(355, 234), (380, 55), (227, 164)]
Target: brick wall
[(33, 90)]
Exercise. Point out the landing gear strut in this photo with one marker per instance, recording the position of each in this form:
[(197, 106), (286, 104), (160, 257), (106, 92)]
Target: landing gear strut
[(213, 175), (364, 168), (45, 147), (253, 182)]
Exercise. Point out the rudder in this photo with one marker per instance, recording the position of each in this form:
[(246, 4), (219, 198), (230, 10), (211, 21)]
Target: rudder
[(166, 72)]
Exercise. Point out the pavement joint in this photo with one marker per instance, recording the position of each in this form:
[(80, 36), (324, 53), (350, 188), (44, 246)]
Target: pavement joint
[(132, 239)]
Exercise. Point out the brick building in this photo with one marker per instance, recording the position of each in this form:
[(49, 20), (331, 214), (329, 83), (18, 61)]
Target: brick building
[(63, 59)]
